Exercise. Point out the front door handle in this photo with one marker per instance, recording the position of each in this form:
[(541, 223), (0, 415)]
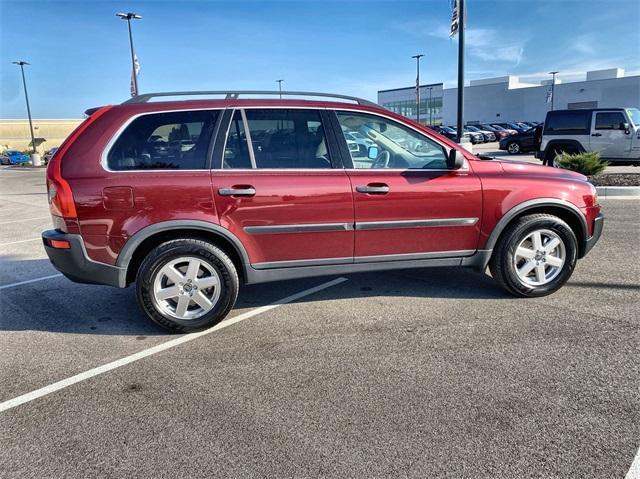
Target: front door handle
[(596, 134), (246, 191), (373, 189)]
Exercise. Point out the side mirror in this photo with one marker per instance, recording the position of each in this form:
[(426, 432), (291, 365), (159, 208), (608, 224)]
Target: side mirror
[(373, 152), (626, 127), (455, 161)]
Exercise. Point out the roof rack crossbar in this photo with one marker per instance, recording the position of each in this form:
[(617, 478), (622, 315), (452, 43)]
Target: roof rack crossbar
[(233, 94)]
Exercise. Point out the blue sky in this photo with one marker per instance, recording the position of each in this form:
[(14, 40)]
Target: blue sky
[(80, 58)]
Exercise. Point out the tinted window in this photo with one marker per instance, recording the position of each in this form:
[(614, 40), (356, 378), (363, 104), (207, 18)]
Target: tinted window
[(574, 122), (387, 144), (164, 141), (280, 138), (609, 120)]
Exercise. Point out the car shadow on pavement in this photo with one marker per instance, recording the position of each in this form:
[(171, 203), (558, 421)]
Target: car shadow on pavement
[(61, 306)]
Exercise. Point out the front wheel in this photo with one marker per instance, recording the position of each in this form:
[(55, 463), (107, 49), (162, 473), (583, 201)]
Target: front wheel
[(535, 256), (187, 285), (513, 148)]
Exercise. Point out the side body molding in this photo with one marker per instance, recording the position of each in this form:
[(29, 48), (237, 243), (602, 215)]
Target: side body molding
[(136, 240)]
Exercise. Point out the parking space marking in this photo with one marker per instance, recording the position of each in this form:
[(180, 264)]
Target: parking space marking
[(634, 470), (38, 393), (35, 280), (25, 219), (21, 241)]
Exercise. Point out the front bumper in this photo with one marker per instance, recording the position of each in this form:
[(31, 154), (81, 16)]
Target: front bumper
[(598, 225), (75, 264)]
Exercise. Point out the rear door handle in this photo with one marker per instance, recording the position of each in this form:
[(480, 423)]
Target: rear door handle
[(596, 134), (248, 191), (373, 189)]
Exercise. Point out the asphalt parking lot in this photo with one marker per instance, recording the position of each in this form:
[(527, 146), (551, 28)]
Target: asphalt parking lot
[(418, 373)]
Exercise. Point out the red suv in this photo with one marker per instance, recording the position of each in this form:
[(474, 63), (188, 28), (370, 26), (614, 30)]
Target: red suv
[(186, 199)]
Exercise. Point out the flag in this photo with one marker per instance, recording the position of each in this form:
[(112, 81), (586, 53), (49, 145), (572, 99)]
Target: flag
[(455, 20), (549, 95), (135, 69)]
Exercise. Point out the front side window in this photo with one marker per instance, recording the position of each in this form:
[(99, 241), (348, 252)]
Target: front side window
[(376, 142), (277, 138), (609, 120), (164, 141)]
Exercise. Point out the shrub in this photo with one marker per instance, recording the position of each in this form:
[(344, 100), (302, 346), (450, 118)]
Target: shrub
[(589, 164)]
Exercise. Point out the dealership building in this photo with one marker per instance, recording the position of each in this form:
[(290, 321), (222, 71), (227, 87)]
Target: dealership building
[(16, 135), (505, 99)]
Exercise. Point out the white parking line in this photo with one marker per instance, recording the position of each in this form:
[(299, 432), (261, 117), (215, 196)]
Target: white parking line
[(38, 393), (634, 470), (35, 280), (21, 241), (25, 219)]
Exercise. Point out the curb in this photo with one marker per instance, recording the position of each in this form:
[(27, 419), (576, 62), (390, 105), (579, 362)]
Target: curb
[(626, 192)]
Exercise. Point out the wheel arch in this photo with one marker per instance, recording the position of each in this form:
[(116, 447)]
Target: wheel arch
[(139, 245), (574, 144), (564, 210)]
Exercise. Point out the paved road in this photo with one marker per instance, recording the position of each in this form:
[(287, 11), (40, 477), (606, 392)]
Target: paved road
[(432, 373)]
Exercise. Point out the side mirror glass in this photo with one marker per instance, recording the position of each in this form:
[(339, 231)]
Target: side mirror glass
[(373, 152), (455, 161)]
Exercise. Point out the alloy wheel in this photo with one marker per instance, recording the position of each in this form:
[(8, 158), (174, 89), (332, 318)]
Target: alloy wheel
[(539, 258)]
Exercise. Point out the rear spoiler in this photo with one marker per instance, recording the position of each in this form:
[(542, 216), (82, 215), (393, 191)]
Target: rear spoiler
[(91, 111)]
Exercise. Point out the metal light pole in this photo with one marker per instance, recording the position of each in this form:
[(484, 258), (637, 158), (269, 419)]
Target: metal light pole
[(418, 57), (26, 97), (462, 23), (128, 17), (279, 82), (553, 88), (430, 120)]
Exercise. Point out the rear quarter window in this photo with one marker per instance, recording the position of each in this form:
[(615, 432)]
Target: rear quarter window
[(164, 141), (572, 122)]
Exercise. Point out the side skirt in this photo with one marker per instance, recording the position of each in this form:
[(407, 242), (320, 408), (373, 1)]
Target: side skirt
[(478, 260)]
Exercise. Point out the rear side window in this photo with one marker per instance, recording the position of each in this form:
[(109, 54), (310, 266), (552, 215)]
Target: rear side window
[(572, 122), (164, 141), (609, 120), (277, 138)]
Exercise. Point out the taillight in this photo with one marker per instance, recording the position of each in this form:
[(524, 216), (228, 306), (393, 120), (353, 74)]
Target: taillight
[(59, 192)]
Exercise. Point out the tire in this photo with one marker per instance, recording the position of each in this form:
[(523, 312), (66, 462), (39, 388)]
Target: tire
[(203, 274), (513, 147), (507, 256)]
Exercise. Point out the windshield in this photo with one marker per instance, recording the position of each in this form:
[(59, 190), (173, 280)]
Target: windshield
[(498, 127), (472, 128), (634, 114)]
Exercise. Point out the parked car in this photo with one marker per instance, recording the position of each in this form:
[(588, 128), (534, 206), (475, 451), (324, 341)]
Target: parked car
[(14, 157), (513, 127), (49, 154), (487, 134), (475, 136), (522, 142), (451, 133), (498, 131), (300, 204), (614, 132), (509, 131)]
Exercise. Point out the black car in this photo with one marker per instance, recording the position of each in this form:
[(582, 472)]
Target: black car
[(450, 132), (522, 142), (513, 126)]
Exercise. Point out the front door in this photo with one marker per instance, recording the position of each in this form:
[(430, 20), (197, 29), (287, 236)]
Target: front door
[(408, 203), (275, 188), (608, 137)]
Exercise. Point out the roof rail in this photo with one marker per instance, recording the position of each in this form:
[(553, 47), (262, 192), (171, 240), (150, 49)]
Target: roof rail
[(233, 94)]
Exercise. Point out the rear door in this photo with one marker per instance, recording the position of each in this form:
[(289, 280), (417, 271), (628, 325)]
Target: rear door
[(608, 137), (408, 204), (275, 188)]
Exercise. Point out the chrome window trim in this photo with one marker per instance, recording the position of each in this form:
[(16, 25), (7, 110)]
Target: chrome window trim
[(424, 223), (298, 228), (107, 149)]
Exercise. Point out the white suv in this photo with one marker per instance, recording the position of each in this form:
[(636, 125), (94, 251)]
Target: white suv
[(614, 132)]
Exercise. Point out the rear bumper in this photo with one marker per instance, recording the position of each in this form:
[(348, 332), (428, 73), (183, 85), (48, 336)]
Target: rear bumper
[(598, 225), (76, 265)]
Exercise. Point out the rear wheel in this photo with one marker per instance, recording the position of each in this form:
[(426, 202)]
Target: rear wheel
[(513, 148), (535, 256), (187, 285)]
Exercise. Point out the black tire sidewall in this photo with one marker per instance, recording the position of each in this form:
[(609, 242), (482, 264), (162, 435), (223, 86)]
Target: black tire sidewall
[(171, 250), (517, 233)]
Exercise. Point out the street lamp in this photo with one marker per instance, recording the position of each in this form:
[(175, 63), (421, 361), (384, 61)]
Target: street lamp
[(430, 120), (22, 63), (418, 57), (279, 82), (134, 75), (553, 88)]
